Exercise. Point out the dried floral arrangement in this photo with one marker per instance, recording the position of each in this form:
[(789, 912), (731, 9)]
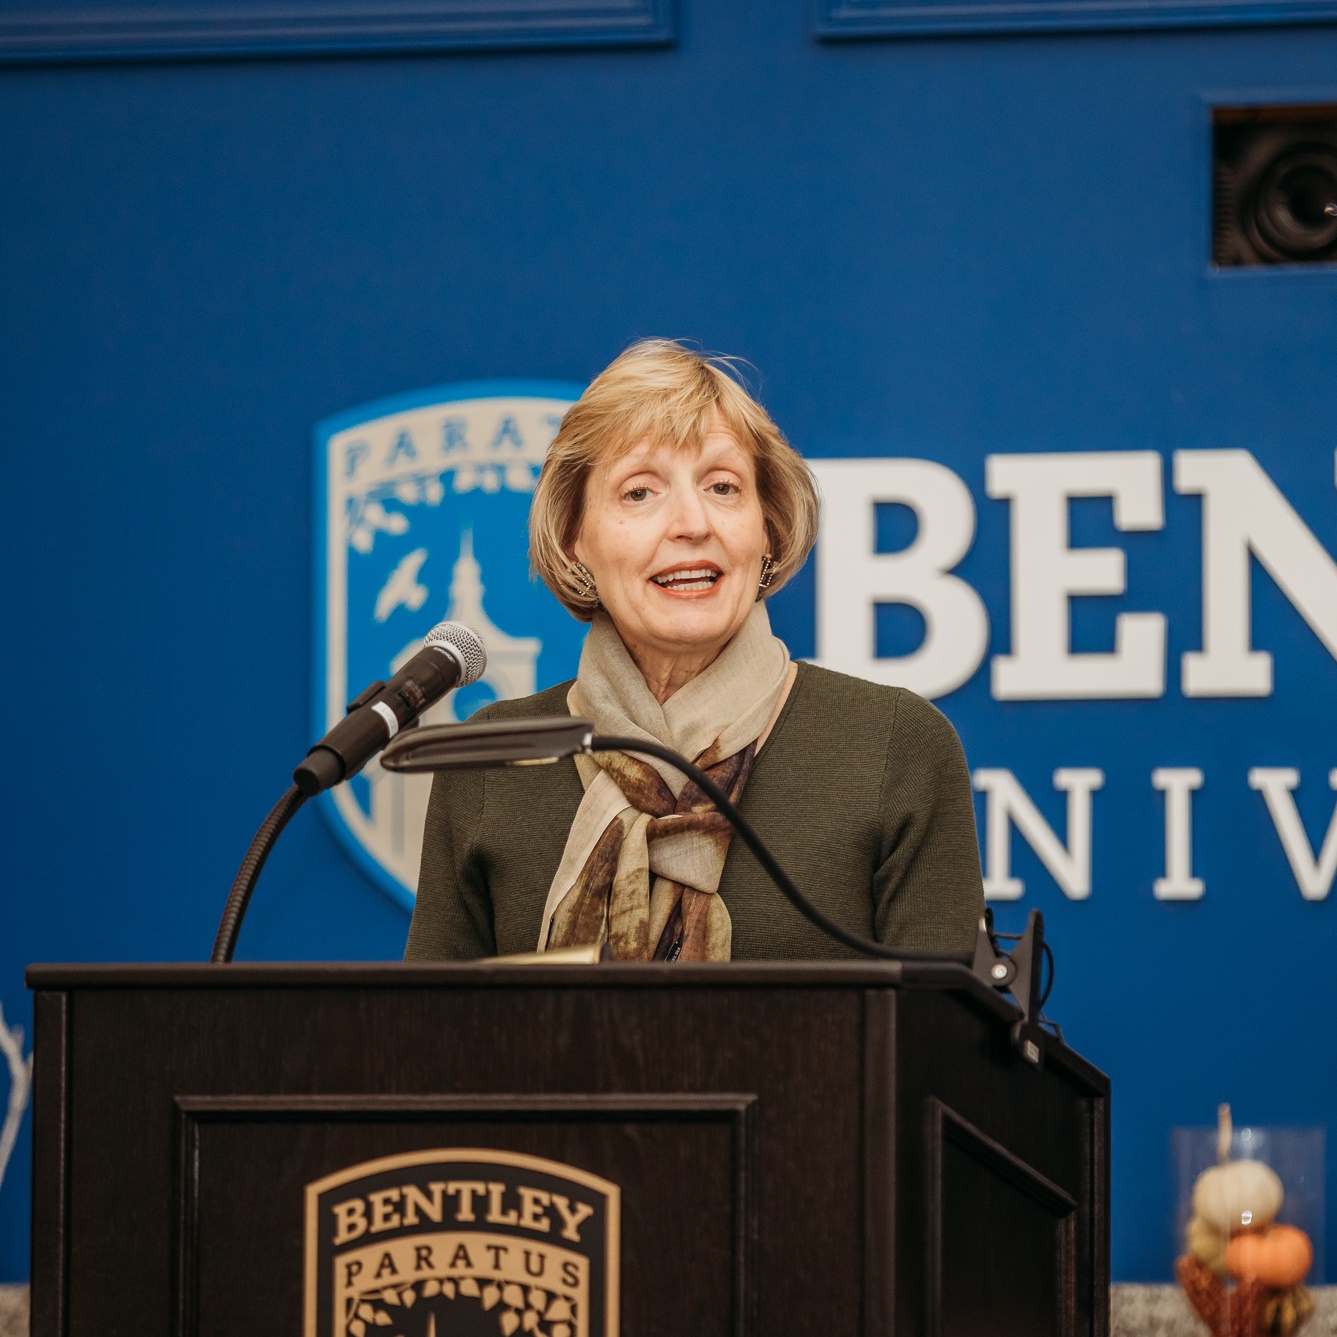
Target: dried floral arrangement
[(1243, 1271)]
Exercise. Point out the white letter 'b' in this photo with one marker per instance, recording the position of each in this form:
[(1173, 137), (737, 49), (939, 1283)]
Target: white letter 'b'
[(852, 577)]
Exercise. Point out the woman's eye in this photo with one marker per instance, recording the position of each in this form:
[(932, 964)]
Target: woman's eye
[(723, 489), (636, 494)]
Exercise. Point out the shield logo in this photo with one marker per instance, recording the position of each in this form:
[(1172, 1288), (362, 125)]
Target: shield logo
[(422, 506), (465, 1241)]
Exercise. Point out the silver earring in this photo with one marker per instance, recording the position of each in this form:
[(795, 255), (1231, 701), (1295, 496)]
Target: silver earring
[(585, 579), (767, 574)]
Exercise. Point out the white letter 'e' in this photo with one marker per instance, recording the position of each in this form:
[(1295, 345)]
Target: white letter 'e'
[(1047, 573)]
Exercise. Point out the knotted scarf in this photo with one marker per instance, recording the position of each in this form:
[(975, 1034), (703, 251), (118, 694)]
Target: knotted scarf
[(643, 860)]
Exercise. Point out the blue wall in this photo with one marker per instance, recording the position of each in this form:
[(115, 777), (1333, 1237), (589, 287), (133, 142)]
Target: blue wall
[(938, 248)]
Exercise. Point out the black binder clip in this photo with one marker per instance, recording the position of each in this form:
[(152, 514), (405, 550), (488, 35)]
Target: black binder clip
[(1019, 974)]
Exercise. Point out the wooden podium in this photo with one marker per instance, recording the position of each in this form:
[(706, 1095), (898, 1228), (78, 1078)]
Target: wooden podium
[(568, 1151)]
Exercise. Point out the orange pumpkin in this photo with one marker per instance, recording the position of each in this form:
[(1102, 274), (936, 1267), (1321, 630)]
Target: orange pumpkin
[(1279, 1257)]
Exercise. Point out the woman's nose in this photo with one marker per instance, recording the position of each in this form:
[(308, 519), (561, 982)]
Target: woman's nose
[(689, 516)]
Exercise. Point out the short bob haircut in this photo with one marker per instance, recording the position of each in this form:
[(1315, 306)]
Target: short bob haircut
[(667, 393)]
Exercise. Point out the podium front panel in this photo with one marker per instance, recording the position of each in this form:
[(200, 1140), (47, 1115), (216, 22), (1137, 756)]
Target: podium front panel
[(569, 1152)]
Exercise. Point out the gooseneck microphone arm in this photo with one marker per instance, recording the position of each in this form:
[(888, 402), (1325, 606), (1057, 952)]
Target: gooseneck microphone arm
[(249, 872)]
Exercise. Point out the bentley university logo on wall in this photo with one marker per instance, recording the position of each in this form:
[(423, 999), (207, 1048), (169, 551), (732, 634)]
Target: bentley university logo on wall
[(462, 1241), (422, 504)]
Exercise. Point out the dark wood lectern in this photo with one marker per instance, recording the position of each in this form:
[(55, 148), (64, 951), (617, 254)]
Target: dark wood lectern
[(567, 1151)]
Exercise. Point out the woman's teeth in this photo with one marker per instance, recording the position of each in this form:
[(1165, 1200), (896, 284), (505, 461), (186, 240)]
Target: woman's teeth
[(688, 582)]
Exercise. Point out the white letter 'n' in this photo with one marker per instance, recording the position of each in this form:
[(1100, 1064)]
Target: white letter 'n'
[(1007, 804), (1244, 514), (1313, 876)]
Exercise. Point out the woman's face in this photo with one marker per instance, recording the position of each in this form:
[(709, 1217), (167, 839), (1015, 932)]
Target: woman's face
[(674, 540)]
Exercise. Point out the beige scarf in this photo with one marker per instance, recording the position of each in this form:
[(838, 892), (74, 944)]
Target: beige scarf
[(643, 859)]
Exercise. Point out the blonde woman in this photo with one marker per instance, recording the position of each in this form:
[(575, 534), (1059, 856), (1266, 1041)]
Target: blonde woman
[(669, 507)]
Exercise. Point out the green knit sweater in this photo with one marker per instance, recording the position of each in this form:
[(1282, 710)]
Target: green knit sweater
[(861, 792)]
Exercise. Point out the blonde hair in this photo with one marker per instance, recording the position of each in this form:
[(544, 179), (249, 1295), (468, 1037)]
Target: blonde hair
[(665, 393)]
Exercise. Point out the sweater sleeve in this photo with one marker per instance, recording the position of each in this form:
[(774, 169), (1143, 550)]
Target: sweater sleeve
[(928, 894), (452, 919)]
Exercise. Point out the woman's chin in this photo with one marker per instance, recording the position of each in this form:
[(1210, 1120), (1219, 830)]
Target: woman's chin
[(692, 625)]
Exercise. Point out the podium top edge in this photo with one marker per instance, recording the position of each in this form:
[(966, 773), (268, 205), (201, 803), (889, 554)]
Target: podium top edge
[(911, 974), (946, 973), (919, 973)]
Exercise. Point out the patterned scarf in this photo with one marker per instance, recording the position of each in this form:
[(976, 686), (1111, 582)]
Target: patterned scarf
[(643, 859)]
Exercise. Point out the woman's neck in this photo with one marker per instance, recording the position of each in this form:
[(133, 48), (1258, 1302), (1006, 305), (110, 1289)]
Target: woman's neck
[(665, 673)]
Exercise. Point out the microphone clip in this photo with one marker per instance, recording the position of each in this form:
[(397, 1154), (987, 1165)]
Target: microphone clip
[(1017, 973), (365, 697)]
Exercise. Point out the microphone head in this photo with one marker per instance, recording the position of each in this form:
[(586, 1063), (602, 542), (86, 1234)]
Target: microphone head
[(463, 644)]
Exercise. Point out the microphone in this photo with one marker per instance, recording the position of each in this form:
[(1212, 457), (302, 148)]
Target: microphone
[(452, 655)]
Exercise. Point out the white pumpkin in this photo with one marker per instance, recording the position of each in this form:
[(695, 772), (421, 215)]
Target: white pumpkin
[(1239, 1195)]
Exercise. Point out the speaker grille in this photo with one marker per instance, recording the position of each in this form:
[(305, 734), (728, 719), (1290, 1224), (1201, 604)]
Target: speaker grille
[(464, 644)]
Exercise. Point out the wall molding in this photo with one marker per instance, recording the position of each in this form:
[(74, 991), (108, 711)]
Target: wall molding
[(853, 19), (111, 31)]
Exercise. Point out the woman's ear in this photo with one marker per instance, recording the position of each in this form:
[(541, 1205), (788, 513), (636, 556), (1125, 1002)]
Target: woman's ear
[(572, 545), (575, 563)]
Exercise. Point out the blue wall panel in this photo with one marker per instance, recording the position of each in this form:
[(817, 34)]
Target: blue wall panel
[(886, 18), (110, 30), (940, 249)]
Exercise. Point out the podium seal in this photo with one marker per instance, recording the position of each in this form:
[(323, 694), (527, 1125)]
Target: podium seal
[(462, 1241)]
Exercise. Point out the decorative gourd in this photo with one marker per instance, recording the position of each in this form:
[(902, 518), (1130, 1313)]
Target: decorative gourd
[(1279, 1258), (1239, 1195)]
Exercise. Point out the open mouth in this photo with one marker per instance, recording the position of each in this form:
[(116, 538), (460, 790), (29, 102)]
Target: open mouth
[(688, 579)]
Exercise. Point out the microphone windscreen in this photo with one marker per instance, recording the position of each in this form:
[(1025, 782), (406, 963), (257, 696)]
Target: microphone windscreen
[(466, 644)]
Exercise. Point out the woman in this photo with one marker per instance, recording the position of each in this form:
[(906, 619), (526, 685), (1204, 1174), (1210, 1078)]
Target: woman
[(669, 506)]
